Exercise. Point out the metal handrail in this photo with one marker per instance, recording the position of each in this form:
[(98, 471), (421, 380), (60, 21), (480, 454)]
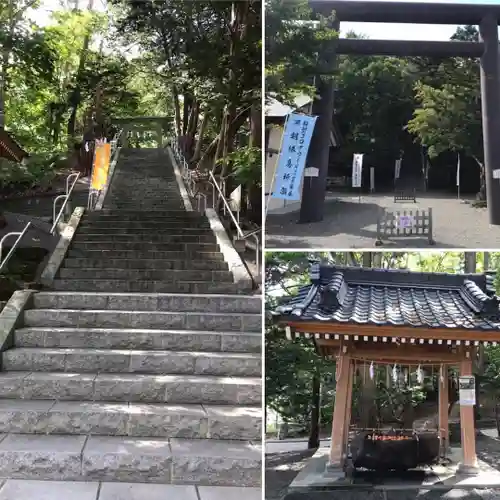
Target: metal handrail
[(190, 182), (19, 237), (65, 202), (221, 194), (241, 234)]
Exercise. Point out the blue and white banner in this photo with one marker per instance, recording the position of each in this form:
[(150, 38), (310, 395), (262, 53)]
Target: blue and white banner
[(292, 160)]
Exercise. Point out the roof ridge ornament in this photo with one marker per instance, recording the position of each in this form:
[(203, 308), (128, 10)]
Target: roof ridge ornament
[(481, 302)]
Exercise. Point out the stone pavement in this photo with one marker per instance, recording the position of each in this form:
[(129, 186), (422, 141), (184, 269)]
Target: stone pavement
[(351, 223), (19, 489)]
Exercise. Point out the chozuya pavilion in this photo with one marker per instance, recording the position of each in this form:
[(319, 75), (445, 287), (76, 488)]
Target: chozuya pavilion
[(396, 317)]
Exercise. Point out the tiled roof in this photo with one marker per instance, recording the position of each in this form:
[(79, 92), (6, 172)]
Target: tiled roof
[(10, 149), (394, 297)]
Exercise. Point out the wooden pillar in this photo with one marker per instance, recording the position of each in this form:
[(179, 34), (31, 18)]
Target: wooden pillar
[(350, 385), (443, 409), (341, 410), (469, 462)]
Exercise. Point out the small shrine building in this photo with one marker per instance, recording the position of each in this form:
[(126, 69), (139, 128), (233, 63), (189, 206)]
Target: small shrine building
[(368, 315)]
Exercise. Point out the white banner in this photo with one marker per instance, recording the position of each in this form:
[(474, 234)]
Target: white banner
[(458, 170), (235, 199), (357, 170), (372, 179), (397, 168)]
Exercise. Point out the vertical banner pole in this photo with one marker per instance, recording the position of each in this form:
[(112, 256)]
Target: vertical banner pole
[(458, 175)]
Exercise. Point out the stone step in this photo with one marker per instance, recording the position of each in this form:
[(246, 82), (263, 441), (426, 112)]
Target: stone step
[(157, 264), (136, 338), (185, 256), (157, 237), (234, 304), (26, 489), (135, 204), (146, 274), (128, 387), (144, 245), (91, 360), (101, 318), (98, 226), (126, 286), (146, 215), (104, 418), (126, 459)]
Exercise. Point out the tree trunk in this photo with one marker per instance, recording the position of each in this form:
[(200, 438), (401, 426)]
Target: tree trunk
[(486, 261), (186, 109), (255, 127), (377, 260), (238, 122), (199, 143), (470, 262), (177, 110), (76, 94), (315, 412), (367, 259), (191, 129), (481, 196), (6, 50), (497, 416)]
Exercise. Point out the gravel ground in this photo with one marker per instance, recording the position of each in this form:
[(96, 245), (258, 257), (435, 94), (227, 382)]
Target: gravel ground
[(350, 223), (281, 468)]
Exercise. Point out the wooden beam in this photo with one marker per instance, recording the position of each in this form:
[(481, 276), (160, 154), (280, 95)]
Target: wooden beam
[(393, 352), (395, 331)]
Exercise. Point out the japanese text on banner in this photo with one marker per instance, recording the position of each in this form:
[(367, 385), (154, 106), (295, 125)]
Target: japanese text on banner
[(292, 159)]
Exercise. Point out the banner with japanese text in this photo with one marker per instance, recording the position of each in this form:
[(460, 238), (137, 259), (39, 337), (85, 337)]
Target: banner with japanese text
[(292, 160), (102, 158), (357, 170)]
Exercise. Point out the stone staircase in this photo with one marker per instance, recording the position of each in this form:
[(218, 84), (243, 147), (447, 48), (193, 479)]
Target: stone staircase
[(143, 364)]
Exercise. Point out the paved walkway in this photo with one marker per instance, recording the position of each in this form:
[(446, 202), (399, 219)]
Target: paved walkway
[(18, 489), (352, 223)]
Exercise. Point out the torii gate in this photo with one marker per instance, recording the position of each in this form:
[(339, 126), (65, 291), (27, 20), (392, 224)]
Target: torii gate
[(484, 15), (156, 124)]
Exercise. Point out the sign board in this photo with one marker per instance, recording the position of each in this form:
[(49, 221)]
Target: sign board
[(102, 158), (292, 160), (372, 179), (406, 221), (235, 199), (357, 170), (467, 391), (311, 172), (496, 173)]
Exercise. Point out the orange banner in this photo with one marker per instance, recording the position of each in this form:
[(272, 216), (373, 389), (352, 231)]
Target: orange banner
[(102, 159)]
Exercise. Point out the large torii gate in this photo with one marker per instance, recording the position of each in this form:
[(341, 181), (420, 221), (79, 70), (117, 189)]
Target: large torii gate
[(486, 16)]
